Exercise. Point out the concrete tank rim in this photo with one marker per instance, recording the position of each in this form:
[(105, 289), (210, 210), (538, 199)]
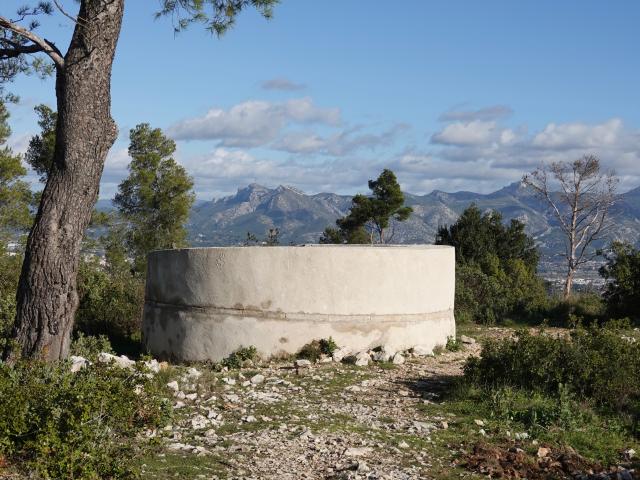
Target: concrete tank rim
[(312, 245)]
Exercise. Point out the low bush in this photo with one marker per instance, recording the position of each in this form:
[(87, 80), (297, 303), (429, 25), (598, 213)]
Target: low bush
[(90, 347), (496, 266), (314, 349), (57, 424), (111, 302), (584, 308), (597, 364), (536, 418), (622, 273), (453, 345), (9, 272), (240, 357)]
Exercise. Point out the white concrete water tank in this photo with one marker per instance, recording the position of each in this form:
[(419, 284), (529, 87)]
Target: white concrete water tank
[(205, 303)]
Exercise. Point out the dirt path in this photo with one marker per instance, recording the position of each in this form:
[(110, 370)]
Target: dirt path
[(328, 421)]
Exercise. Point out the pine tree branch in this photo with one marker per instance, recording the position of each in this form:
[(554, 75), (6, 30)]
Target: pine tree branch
[(19, 50), (45, 46)]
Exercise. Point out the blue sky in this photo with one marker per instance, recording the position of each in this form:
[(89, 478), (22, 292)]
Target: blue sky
[(452, 95)]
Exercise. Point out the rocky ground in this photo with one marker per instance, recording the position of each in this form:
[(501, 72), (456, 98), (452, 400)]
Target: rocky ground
[(327, 420)]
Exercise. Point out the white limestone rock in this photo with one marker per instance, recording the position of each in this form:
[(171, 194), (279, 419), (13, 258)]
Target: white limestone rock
[(362, 359), (173, 386), (340, 353), (78, 363), (122, 361), (385, 354), (398, 359), (422, 351)]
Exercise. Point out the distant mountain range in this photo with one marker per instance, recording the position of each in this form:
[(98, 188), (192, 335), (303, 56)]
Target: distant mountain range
[(301, 218)]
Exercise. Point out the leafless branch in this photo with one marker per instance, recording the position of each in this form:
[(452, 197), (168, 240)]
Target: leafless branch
[(65, 13)]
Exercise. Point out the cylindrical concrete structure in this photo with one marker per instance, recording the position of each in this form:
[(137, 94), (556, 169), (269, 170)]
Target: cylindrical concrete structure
[(205, 303)]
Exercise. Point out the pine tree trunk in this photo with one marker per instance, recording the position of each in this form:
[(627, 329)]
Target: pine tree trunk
[(47, 293)]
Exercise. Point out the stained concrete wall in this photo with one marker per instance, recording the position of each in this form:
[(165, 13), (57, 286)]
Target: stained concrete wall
[(204, 303)]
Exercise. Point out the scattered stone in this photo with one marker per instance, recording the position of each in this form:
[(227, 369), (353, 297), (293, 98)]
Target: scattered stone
[(153, 365), (199, 422), (385, 354), (398, 359), (521, 436), (629, 454), (122, 361), (191, 396), (302, 363), (180, 395), (78, 363), (340, 353), (467, 340), (443, 425), (249, 419), (194, 373), (423, 426), (200, 451), (403, 444), (480, 423), (178, 405), (543, 452), (357, 451), (231, 398), (362, 359), (180, 446), (325, 359), (229, 381), (422, 351), (257, 379)]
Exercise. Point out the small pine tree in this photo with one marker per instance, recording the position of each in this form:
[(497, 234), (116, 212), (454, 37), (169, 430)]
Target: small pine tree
[(156, 197), (370, 216), (15, 194), (41, 147)]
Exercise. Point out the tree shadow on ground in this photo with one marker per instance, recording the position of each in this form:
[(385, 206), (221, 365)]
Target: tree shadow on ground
[(433, 387)]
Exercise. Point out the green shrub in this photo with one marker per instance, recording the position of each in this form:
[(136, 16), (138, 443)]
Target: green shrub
[(600, 365), (90, 347), (241, 356), (495, 268), (314, 349), (494, 293), (581, 308), (453, 345), (9, 272), (622, 272), (57, 424), (328, 346), (555, 421), (111, 302)]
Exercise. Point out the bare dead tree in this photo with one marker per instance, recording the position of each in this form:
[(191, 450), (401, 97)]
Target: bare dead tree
[(580, 196)]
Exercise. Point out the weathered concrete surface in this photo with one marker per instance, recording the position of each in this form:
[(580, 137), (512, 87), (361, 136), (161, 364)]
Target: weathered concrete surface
[(204, 303)]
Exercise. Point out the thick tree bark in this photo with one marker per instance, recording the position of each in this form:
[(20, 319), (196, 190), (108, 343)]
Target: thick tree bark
[(47, 294)]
